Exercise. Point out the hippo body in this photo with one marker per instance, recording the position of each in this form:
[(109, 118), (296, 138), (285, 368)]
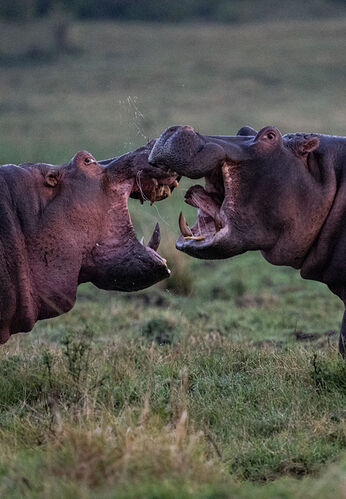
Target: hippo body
[(282, 195), (67, 224)]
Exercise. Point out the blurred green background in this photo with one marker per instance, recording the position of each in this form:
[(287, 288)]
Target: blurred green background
[(248, 350), (108, 87)]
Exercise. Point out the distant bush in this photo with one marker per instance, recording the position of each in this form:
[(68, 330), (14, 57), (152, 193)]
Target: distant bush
[(231, 11), (160, 330), (18, 9)]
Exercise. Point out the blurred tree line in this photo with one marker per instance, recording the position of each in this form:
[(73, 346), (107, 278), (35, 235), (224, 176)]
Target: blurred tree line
[(174, 11)]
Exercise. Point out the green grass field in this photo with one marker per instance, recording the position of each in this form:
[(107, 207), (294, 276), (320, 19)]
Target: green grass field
[(223, 381)]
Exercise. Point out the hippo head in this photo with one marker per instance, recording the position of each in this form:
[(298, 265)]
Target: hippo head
[(67, 224), (263, 191), (118, 260)]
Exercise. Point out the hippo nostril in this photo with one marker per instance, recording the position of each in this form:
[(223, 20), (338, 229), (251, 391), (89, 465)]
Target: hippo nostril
[(176, 129), (187, 128), (170, 131)]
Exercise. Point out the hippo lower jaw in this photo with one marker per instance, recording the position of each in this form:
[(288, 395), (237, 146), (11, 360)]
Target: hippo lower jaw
[(133, 268), (119, 261), (209, 245)]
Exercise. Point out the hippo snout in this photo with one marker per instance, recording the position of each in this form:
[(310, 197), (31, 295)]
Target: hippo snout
[(175, 147), (186, 152)]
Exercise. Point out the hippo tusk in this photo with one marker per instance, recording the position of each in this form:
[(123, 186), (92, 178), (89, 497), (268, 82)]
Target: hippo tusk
[(142, 241), (194, 238), (167, 190), (175, 183), (155, 238), (184, 228)]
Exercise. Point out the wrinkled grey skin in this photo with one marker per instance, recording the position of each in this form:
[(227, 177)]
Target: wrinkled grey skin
[(67, 224), (282, 195)]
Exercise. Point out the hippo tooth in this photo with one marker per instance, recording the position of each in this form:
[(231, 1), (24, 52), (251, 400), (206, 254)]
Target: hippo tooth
[(175, 183), (155, 238), (167, 190), (217, 222), (184, 228), (142, 241), (194, 238)]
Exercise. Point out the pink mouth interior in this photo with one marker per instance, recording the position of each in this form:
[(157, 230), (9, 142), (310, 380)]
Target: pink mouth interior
[(208, 201)]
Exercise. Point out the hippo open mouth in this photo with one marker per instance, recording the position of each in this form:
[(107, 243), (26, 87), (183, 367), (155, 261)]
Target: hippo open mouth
[(120, 260), (210, 223), (152, 189), (188, 153)]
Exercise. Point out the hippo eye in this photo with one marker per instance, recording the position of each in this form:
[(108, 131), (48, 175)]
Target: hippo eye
[(87, 161), (271, 135)]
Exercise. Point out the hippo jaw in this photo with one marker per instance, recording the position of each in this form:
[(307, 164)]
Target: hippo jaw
[(130, 268), (184, 151), (118, 261)]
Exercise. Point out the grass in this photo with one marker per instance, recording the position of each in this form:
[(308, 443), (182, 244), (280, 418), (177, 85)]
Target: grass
[(140, 419), (223, 381)]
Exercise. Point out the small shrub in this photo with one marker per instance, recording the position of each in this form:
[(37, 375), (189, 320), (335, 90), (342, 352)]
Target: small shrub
[(77, 353), (329, 375), (160, 330)]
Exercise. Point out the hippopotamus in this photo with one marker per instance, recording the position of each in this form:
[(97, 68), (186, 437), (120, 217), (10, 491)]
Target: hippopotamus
[(282, 195), (62, 225)]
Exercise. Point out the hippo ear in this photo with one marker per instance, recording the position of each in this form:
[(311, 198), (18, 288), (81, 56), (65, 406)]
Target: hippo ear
[(307, 144), (52, 178), (247, 131)]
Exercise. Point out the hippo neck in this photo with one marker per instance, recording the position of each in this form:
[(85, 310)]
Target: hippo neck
[(18, 305), (333, 151), (54, 269), (30, 289), (29, 282), (325, 259)]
